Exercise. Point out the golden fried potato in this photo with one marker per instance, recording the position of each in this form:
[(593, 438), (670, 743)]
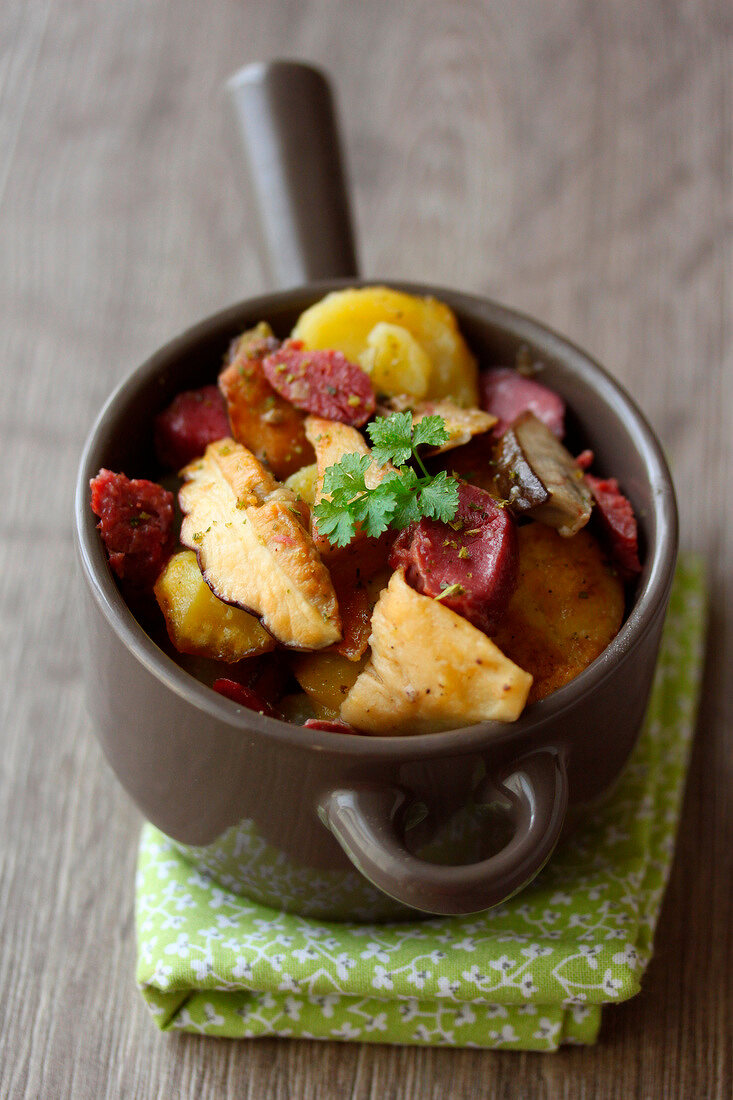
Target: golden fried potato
[(327, 678), (299, 707), (260, 418), (303, 483), (198, 622), (345, 320), (568, 605)]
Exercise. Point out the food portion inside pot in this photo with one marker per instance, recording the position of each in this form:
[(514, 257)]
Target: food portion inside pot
[(375, 533)]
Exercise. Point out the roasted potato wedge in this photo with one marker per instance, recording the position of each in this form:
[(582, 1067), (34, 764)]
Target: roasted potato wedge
[(261, 419), (303, 483), (567, 607), (345, 319), (327, 677), (199, 623), (430, 670), (254, 549)]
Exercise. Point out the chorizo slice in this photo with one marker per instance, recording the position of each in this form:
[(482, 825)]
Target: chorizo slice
[(471, 564)]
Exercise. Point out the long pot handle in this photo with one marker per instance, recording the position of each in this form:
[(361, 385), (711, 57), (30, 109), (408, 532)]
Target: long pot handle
[(366, 820), (285, 115)]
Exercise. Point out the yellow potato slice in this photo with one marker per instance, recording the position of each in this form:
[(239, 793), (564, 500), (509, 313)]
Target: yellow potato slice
[(395, 361), (567, 607), (345, 319), (327, 678), (303, 483), (430, 670), (199, 623), (253, 548)]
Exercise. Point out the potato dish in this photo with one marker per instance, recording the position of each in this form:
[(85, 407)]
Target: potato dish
[(378, 534)]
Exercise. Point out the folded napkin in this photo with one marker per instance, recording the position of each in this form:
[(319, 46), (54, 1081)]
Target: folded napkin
[(528, 975)]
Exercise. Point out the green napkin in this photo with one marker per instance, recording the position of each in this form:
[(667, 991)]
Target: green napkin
[(528, 975)]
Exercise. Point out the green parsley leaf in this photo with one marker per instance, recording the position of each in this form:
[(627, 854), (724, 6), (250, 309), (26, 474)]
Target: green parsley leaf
[(431, 431), (335, 522), (346, 478), (439, 498), (404, 485), (391, 438), (374, 509), (402, 497)]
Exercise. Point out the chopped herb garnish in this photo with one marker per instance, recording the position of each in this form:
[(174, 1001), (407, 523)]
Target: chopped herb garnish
[(451, 590), (403, 496)]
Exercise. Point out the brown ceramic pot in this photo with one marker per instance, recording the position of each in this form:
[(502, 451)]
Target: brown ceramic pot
[(348, 826)]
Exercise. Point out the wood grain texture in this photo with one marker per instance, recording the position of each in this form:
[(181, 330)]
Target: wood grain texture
[(574, 160)]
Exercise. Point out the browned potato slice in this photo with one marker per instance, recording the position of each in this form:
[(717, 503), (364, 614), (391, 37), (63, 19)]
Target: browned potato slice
[(254, 549), (261, 419), (303, 483), (430, 670), (299, 707), (327, 677), (198, 622), (567, 607)]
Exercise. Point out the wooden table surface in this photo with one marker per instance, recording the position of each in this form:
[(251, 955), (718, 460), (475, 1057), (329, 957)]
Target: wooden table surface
[(573, 159)]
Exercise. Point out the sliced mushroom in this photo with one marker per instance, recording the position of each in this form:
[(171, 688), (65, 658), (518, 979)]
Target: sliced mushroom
[(254, 549), (461, 424), (536, 475), (430, 670)]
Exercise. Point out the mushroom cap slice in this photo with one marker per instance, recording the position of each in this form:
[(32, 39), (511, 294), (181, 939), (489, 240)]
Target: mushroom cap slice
[(430, 670), (253, 548), (537, 475)]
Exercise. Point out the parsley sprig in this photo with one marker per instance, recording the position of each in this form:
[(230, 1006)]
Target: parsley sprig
[(403, 496)]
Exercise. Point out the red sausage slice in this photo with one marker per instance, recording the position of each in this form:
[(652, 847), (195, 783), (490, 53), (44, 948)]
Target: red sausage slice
[(245, 697), (184, 430), (618, 522), (471, 564), (324, 383), (136, 525), (507, 394)]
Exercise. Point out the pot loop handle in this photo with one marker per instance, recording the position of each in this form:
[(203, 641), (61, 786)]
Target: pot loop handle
[(365, 819), (285, 115)]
